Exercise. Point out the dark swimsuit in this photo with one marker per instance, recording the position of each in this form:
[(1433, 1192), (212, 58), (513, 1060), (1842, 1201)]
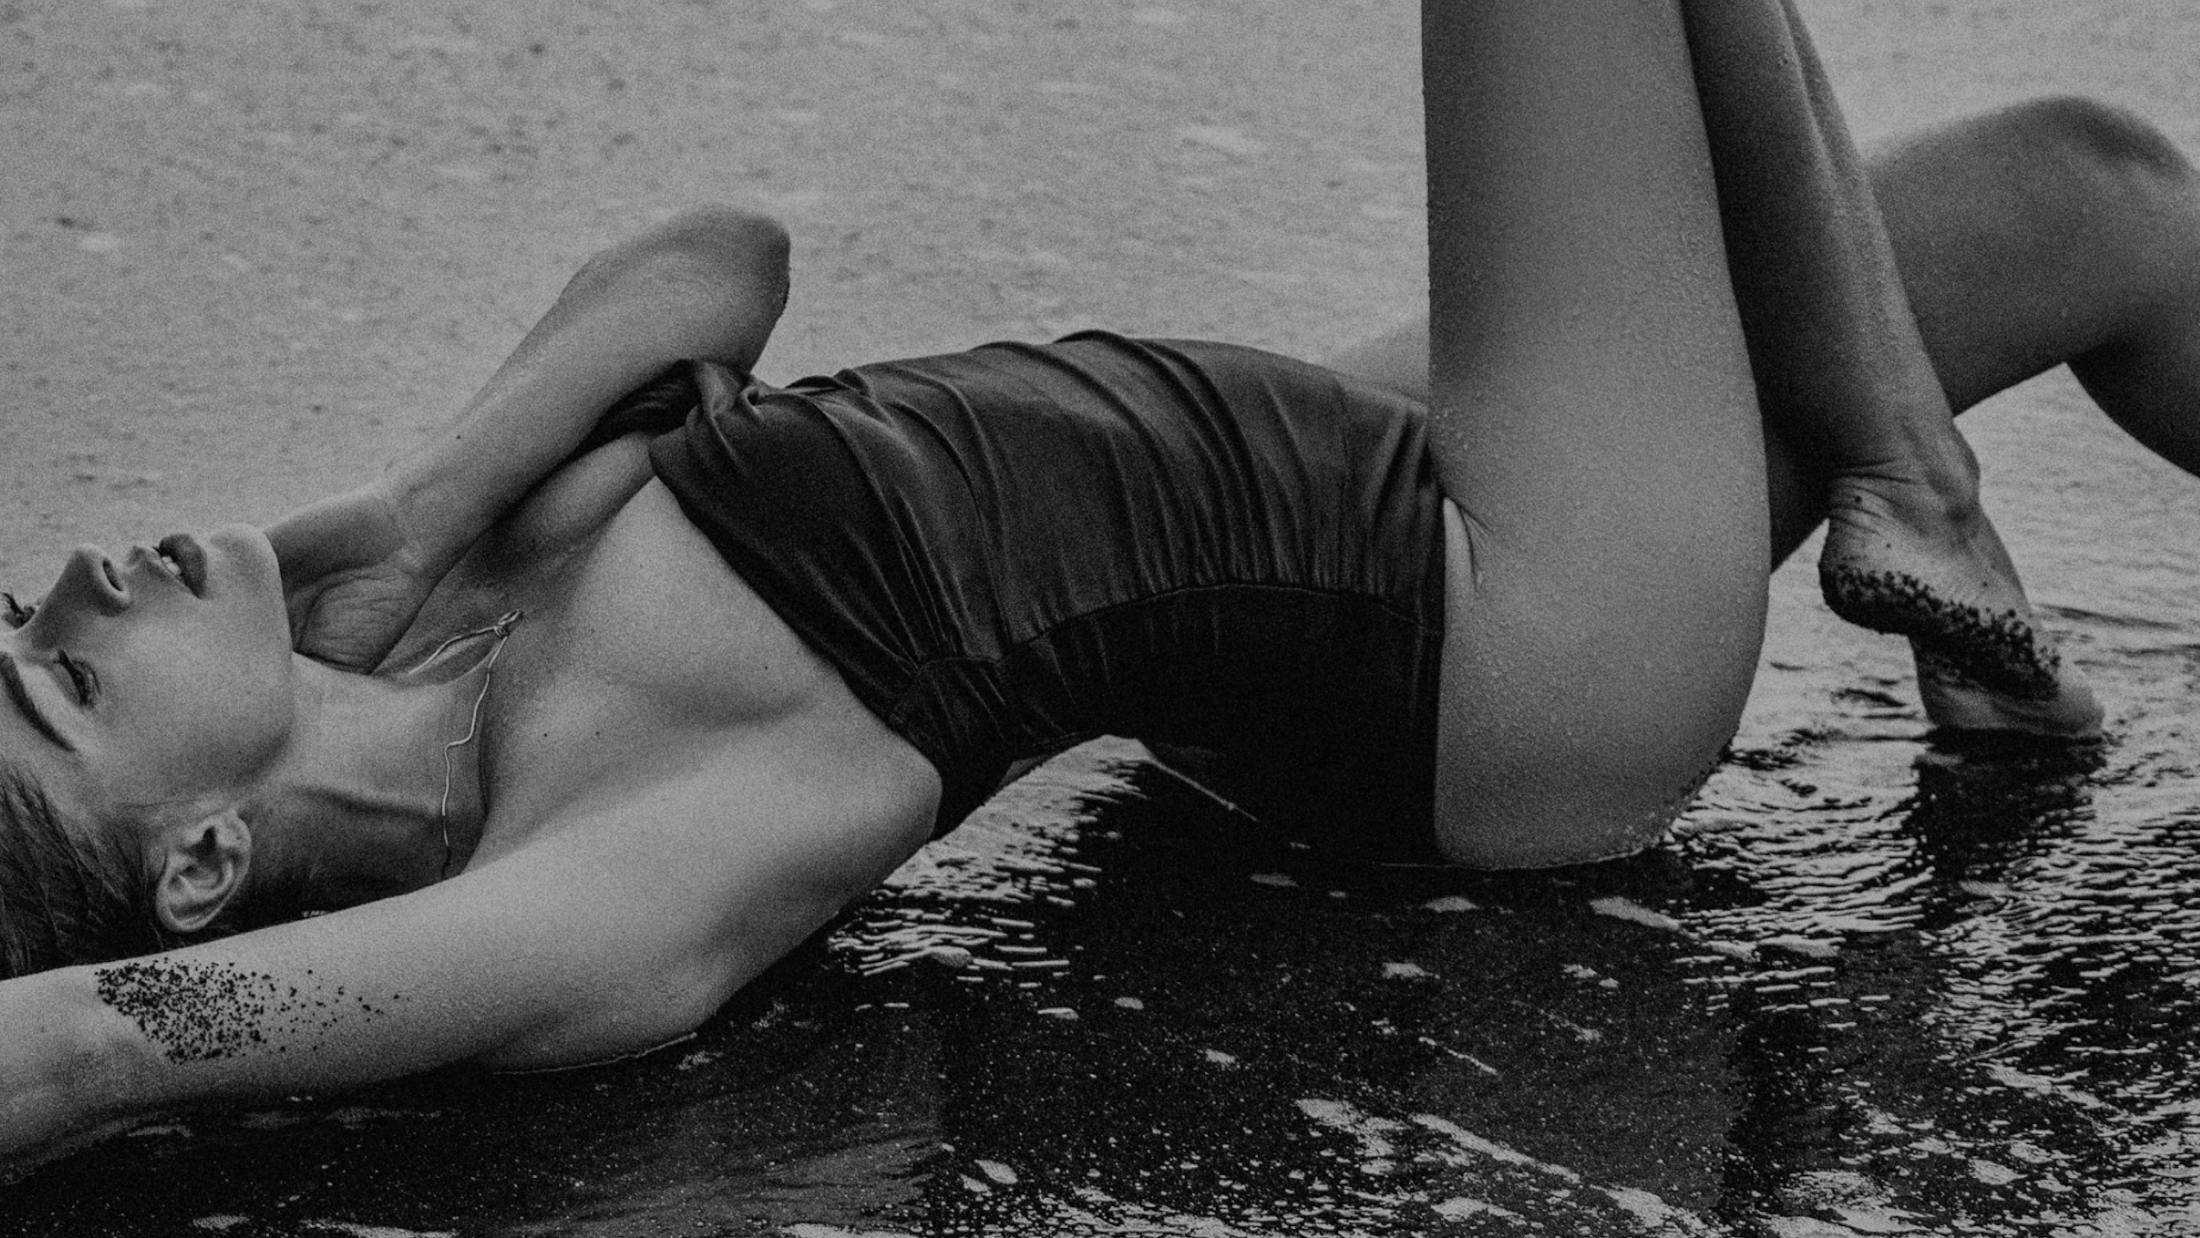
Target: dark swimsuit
[(1009, 550)]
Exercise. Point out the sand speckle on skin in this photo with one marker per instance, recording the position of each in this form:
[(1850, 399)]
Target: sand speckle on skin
[(1998, 651), (205, 1012), (307, 152)]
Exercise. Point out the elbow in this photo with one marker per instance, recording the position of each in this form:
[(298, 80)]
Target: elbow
[(710, 282), (708, 248), (640, 1012), (717, 243), (718, 228)]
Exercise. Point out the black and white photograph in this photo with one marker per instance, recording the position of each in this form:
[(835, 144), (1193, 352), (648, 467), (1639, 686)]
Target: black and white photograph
[(1150, 618)]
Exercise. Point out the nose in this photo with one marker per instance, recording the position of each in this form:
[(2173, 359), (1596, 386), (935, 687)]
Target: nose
[(90, 576)]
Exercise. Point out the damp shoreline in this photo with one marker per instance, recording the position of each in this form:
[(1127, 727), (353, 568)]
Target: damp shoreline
[(1878, 982)]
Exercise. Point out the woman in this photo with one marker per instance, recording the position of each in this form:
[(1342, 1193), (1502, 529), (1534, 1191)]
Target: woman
[(620, 781)]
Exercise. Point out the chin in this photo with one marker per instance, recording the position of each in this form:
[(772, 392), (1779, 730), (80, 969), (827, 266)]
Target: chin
[(240, 560), (244, 579)]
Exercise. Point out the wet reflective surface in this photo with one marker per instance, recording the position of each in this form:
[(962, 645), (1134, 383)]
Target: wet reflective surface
[(1878, 984)]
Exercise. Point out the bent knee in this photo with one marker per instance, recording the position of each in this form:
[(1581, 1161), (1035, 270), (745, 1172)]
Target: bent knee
[(2095, 139)]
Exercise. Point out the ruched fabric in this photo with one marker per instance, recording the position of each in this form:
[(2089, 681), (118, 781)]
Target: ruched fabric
[(1009, 550)]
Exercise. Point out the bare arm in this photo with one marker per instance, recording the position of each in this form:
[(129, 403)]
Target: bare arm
[(708, 283), (607, 933)]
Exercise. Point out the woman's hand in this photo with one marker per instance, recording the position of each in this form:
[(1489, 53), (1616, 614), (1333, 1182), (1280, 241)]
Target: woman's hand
[(353, 576), (709, 283)]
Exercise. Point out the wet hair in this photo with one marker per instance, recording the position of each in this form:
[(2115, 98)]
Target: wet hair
[(70, 892)]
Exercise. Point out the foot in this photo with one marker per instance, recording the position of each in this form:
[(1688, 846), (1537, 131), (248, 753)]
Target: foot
[(1924, 562), (1957, 703)]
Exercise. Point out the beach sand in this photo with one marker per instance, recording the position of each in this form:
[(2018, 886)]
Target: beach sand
[(253, 250)]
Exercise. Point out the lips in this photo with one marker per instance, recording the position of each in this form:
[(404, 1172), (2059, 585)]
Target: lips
[(188, 559)]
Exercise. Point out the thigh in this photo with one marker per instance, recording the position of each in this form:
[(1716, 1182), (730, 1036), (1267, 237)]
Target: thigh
[(1593, 420), (2025, 236), (2056, 231)]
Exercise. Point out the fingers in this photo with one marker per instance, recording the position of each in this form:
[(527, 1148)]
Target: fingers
[(344, 532), (350, 636)]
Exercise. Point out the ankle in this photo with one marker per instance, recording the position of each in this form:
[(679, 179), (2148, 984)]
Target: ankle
[(1932, 507), (1916, 461)]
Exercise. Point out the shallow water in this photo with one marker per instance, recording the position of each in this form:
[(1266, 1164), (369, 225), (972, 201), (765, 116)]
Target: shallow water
[(1875, 984)]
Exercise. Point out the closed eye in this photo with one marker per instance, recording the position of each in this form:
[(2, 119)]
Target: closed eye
[(11, 678), (81, 675)]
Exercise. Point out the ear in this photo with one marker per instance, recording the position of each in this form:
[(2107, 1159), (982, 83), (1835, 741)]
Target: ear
[(199, 866)]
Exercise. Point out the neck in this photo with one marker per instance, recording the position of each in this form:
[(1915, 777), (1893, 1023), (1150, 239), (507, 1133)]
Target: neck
[(373, 798)]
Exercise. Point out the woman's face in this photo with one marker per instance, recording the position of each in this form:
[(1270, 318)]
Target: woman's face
[(153, 677)]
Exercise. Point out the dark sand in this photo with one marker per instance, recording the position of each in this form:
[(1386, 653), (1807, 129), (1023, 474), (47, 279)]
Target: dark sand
[(252, 250)]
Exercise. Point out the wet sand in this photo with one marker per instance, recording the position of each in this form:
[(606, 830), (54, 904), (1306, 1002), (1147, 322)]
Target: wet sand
[(253, 250)]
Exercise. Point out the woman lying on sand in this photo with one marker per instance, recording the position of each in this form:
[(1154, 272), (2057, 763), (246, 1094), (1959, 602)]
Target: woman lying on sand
[(646, 712)]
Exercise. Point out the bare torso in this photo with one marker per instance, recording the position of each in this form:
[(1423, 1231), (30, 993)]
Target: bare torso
[(648, 690)]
